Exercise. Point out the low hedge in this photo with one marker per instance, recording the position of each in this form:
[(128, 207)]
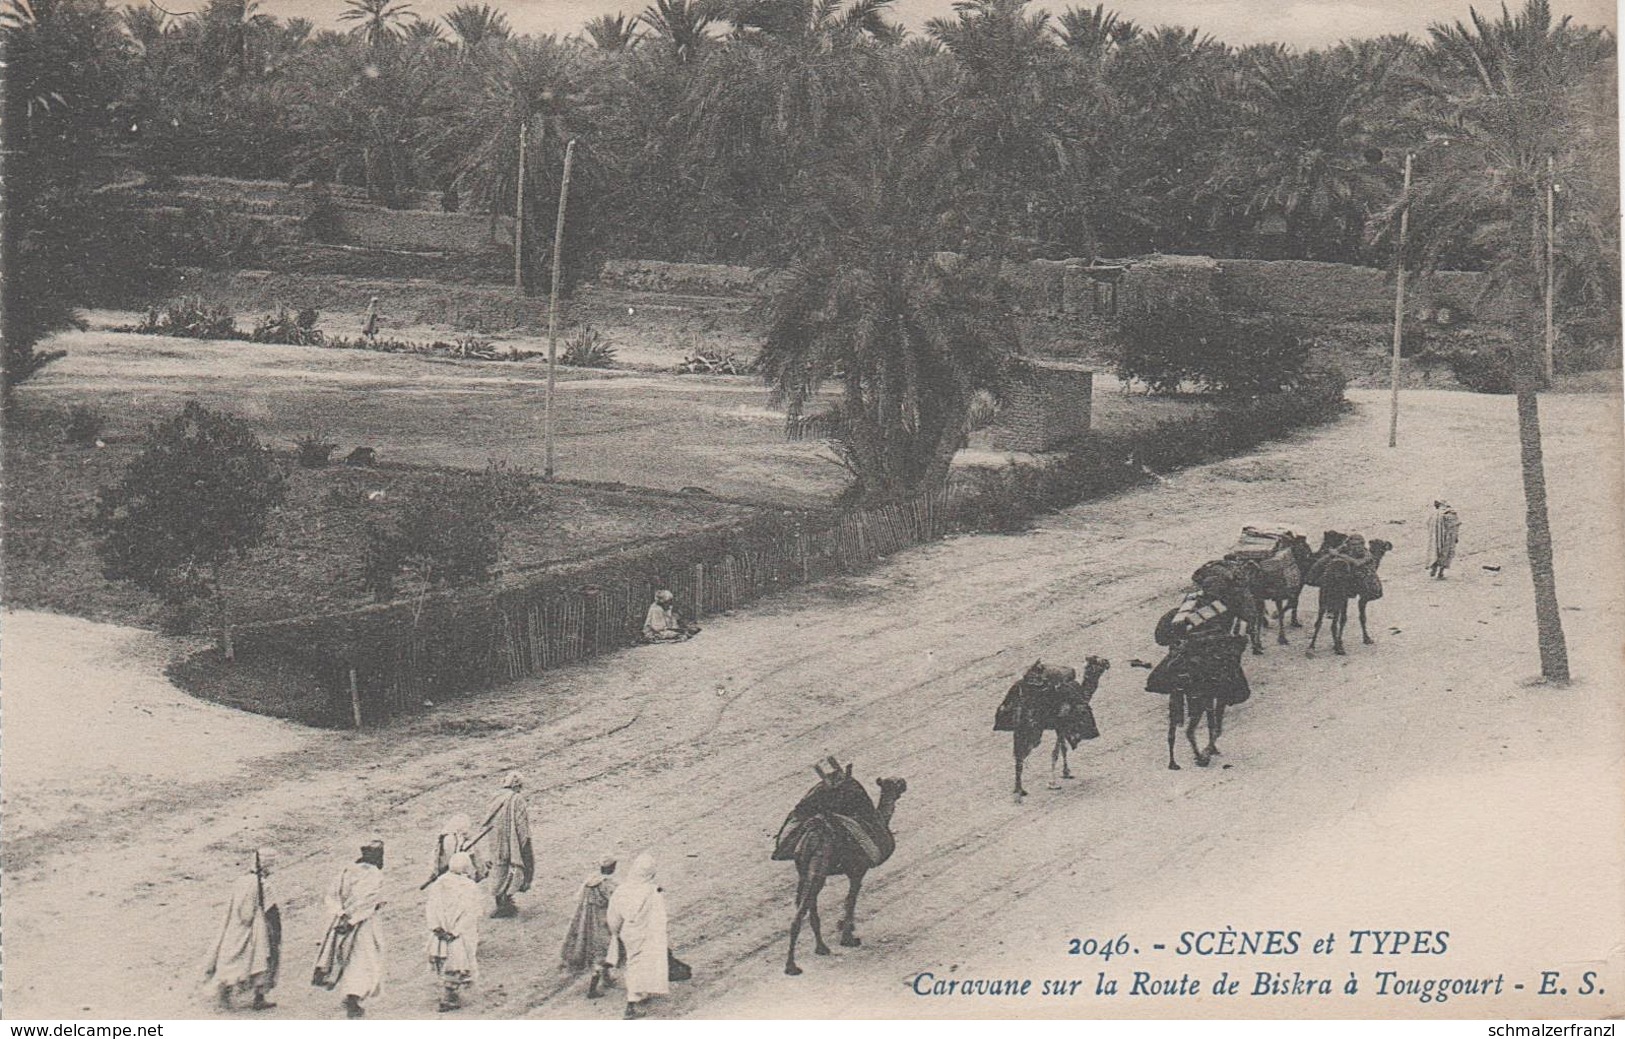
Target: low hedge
[(1098, 464)]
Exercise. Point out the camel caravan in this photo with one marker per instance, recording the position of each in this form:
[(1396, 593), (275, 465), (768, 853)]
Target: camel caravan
[(837, 829)]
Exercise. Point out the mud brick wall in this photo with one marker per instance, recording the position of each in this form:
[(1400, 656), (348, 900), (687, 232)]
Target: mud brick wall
[(1050, 403), (1334, 292), (420, 230), (699, 279)]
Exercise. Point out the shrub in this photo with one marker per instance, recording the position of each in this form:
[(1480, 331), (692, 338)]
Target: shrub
[(1159, 338), (510, 492), (288, 328), (324, 221), (1264, 354), (446, 540), (314, 452), (1489, 370), (197, 496), (1186, 337), (588, 348), (83, 425), (192, 318)]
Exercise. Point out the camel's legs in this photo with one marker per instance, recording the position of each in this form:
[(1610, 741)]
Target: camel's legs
[(1215, 726), (1340, 620), (849, 924), (1365, 636), (1060, 751), (1280, 622), (817, 925), (802, 900), (1191, 723), (1173, 727), (1021, 755), (1320, 615)]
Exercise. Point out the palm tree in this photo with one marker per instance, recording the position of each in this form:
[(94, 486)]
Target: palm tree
[(381, 22), (815, 24), (422, 31), (60, 100), (1306, 124), (1092, 35), (681, 25), (613, 33), (474, 26), (1508, 98), (913, 335)]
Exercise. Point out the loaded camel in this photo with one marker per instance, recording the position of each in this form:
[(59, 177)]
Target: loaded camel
[(1237, 584), (1201, 675), (1346, 568), (835, 830), (1048, 699), (1279, 579)]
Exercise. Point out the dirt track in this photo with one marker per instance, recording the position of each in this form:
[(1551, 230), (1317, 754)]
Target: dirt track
[(1414, 783)]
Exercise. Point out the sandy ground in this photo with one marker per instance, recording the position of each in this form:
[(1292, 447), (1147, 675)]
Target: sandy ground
[(1421, 783)]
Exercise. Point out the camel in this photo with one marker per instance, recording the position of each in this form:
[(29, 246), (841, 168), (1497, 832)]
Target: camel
[(1201, 677), (1043, 701), (1342, 578), (1236, 583), (825, 850), (1279, 580)]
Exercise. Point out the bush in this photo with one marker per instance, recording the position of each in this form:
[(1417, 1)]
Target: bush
[(1159, 339), (588, 348), (190, 317), (198, 495), (510, 492), (288, 328), (314, 452), (324, 222), (1099, 464), (1186, 337), (1490, 370), (444, 541), (82, 425)]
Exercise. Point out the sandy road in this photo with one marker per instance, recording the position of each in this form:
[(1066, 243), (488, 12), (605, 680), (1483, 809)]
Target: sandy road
[(1410, 783)]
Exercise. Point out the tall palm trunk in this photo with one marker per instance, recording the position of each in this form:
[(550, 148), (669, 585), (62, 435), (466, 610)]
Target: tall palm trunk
[(1554, 654)]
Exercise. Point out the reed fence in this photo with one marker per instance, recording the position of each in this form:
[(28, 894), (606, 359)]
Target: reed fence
[(386, 660)]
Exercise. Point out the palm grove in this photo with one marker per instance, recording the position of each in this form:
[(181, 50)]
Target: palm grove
[(890, 171)]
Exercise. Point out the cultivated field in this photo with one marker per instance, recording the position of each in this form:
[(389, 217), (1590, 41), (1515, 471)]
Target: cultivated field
[(1420, 782)]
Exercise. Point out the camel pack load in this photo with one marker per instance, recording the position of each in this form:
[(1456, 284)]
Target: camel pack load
[(846, 805), (1259, 543)]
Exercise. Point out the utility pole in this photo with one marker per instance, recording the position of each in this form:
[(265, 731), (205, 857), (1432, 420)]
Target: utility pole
[(1399, 307), (519, 214), (553, 306), (1551, 277)]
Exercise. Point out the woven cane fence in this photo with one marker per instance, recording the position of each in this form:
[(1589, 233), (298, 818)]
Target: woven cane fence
[(387, 660)]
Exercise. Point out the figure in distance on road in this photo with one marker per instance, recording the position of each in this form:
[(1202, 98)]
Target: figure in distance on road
[(1444, 527), (663, 622)]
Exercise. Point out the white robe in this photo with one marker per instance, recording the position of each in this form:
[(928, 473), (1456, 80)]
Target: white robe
[(242, 954), (454, 905), (357, 957), (637, 917)]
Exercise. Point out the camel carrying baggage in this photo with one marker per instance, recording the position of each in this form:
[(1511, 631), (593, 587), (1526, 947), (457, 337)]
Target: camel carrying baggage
[(847, 806)]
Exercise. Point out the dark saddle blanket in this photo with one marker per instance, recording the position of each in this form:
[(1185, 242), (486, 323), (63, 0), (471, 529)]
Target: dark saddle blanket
[(848, 809), (1055, 700)]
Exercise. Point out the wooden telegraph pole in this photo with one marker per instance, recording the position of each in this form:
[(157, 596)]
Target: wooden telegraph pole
[(1399, 308), (519, 214), (553, 306), (1551, 233)]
